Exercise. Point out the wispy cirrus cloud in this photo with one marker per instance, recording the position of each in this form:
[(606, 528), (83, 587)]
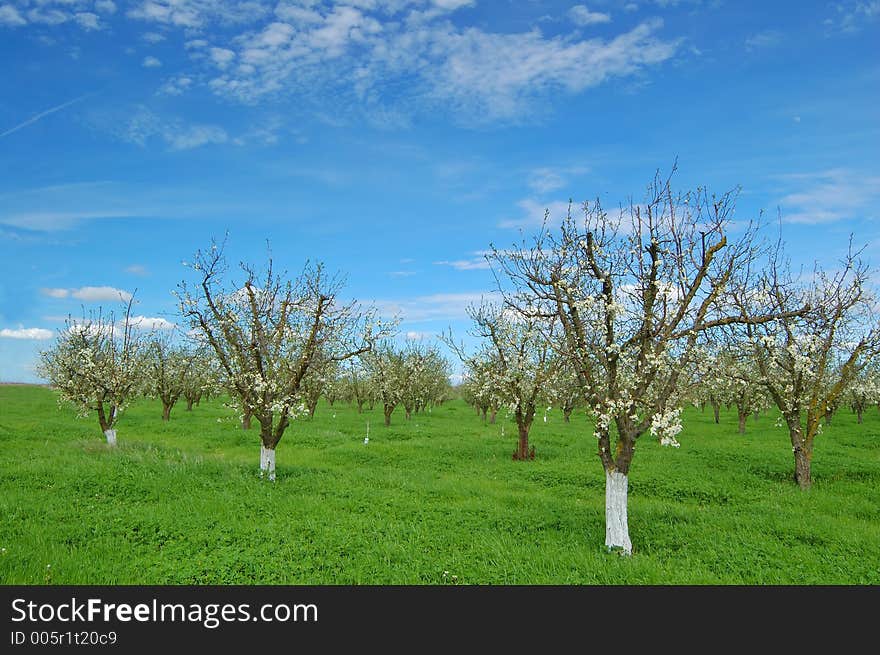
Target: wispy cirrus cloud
[(549, 178), (830, 196), (852, 16), (477, 261), (382, 62), (366, 50), (532, 213), (141, 126), (438, 306), (137, 269), (764, 39)]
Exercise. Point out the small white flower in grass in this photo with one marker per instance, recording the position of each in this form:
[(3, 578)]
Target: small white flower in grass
[(366, 440)]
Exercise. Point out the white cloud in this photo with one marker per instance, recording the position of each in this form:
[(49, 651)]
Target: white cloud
[(415, 335), (477, 262), (362, 51), (500, 76), (142, 126), (452, 5), (829, 196), (152, 323), (137, 269), (853, 15), (221, 56), (153, 37), (176, 86), (105, 6), (470, 72), (438, 306), (88, 21), (533, 213), (48, 16), (765, 39), (97, 294), (580, 15), (195, 14), (55, 293), (545, 179), (10, 16), (195, 136), (38, 334), (60, 220), (56, 12)]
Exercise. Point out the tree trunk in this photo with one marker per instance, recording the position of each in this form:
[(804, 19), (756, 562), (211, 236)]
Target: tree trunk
[(360, 407), (483, 413), (522, 451), (107, 426), (388, 410), (616, 524), (829, 414), (802, 474), (566, 414), (755, 415), (246, 421), (716, 409), (492, 416), (189, 404), (859, 414), (408, 413), (802, 459), (267, 462), (166, 412), (742, 421)]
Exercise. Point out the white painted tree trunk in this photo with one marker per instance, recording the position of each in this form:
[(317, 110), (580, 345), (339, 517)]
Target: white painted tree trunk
[(111, 437), (267, 462), (616, 526)]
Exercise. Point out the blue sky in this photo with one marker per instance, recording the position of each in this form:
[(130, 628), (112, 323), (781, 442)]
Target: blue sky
[(395, 139)]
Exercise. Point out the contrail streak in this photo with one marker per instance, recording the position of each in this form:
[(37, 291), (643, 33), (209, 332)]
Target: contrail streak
[(43, 114)]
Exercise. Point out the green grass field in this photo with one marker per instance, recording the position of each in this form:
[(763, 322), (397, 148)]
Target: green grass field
[(436, 500)]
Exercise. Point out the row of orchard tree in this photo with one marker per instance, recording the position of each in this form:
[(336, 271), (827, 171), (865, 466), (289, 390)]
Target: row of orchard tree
[(272, 346), (636, 313), (631, 314)]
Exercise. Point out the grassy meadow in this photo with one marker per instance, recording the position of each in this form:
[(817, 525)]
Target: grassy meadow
[(436, 500)]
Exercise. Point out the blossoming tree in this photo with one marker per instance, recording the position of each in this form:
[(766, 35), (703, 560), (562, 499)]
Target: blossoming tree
[(522, 367), (635, 294), (267, 332), (202, 378), (96, 366), (392, 371), (808, 360), (168, 367)]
